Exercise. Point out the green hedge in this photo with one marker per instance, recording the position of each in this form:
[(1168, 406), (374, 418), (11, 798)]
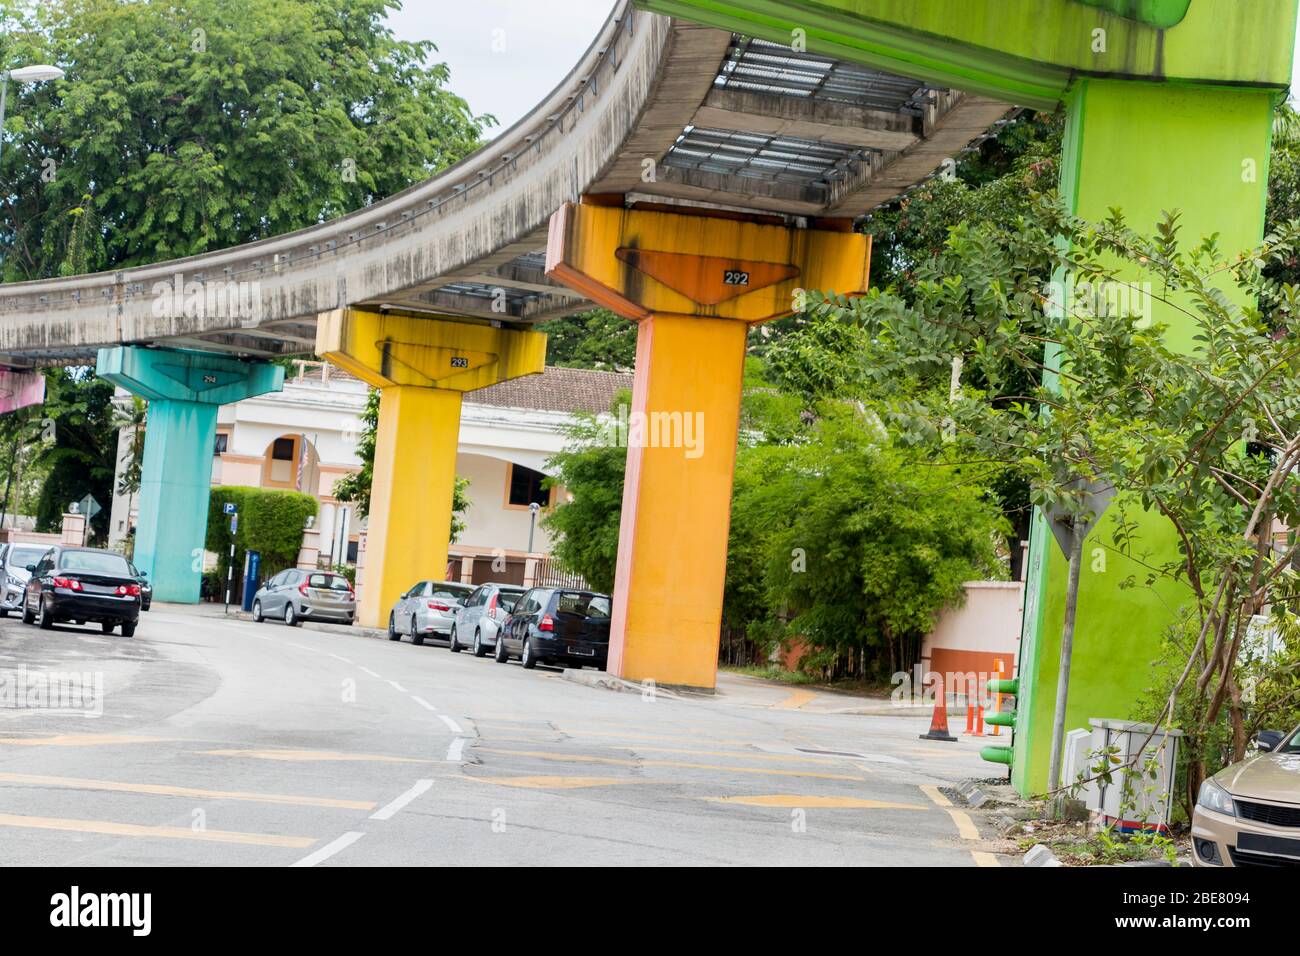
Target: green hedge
[(270, 522)]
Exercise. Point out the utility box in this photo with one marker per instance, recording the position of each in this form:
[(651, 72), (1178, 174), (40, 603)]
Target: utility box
[(1075, 764), (1140, 791)]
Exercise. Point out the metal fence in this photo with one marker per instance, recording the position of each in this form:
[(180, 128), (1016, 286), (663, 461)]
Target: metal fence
[(551, 575)]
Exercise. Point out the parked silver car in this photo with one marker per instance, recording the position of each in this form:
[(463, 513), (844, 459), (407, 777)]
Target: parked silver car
[(15, 559), (428, 608), (478, 621), (296, 595)]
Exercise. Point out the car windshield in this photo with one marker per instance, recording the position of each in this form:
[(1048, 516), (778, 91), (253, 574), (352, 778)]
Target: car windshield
[(585, 605), (97, 562), (1292, 745), (332, 582), (21, 557), (453, 592), (509, 597)]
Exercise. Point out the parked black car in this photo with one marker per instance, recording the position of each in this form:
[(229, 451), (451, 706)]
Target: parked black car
[(83, 585), (146, 589), (557, 626)]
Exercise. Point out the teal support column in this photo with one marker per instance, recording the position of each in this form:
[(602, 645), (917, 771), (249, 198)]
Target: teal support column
[(183, 389)]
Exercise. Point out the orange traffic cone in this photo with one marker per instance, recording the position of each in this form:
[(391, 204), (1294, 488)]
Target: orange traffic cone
[(939, 722)]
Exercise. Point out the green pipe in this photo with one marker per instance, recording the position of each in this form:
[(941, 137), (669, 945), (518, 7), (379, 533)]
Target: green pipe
[(996, 754), (1009, 687), (1006, 718)]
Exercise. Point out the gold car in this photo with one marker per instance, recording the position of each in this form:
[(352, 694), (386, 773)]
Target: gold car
[(1249, 814)]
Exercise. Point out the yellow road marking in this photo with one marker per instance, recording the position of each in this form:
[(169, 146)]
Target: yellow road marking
[(557, 783), (584, 758), (170, 791), (795, 700), (965, 825), (149, 832), (744, 755), (935, 794), (984, 859), (795, 800), (309, 755), (966, 828), (79, 740)]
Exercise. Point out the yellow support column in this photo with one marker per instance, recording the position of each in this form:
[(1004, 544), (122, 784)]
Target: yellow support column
[(421, 365), (695, 283)]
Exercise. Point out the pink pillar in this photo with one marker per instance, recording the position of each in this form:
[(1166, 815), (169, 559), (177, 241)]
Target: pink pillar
[(20, 389)]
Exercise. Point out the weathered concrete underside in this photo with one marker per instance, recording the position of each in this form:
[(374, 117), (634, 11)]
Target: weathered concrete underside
[(658, 109)]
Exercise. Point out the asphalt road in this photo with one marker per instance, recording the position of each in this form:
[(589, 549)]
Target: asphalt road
[(230, 743)]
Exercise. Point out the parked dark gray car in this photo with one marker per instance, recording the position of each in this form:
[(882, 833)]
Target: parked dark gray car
[(559, 626), (296, 595)]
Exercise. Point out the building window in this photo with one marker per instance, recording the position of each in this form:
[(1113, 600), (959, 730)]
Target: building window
[(282, 450), (525, 487), (222, 444)]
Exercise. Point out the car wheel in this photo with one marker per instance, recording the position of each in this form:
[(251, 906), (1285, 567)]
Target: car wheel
[(106, 627), (392, 629), (128, 628), (28, 616), (416, 636), (501, 655), (479, 649), (257, 612), (46, 619), (452, 644), (527, 658), (290, 615)]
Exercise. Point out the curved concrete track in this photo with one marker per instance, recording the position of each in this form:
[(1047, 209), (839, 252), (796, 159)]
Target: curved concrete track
[(657, 109)]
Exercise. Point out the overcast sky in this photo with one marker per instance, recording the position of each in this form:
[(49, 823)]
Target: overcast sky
[(505, 55)]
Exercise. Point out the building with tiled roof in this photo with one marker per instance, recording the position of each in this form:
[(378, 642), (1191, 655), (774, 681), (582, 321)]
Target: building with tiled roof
[(305, 438)]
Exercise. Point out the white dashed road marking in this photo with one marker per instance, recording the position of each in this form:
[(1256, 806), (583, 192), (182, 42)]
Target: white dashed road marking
[(387, 812)]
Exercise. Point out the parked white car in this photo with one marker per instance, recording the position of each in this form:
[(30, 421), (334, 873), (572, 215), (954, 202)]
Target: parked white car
[(427, 609), (477, 623)]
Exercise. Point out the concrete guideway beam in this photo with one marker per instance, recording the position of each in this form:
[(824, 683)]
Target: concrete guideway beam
[(184, 390), (695, 284), (421, 365)]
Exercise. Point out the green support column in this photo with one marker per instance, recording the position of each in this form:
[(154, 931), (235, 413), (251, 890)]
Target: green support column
[(183, 389), (1142, 148), (1168, 107)]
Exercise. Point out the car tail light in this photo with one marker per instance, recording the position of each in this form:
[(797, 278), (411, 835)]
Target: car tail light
[(72, 584), (128, 590), (548, 624), (302, 589), (435, 606), (492, 607)]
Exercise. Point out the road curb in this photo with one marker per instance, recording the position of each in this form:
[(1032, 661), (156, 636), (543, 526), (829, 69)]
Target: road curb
[(1040, 854), (606, 681)]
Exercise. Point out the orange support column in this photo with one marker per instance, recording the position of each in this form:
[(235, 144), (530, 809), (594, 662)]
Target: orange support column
[(695, 283)]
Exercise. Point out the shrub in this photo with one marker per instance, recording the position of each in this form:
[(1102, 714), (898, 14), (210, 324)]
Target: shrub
[(271, 522)]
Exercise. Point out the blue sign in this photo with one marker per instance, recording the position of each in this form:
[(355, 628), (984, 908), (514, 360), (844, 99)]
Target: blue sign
[(230, 508)]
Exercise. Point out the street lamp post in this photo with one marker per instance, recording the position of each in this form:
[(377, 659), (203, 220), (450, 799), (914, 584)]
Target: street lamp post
[(24, 74), (533, 508)]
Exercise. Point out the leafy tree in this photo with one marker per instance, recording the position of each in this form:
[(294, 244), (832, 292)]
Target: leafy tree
[(191, 125), (356, 486), (853, 544), (1199, 432), (82, 454), (597, 339), (591, 468)]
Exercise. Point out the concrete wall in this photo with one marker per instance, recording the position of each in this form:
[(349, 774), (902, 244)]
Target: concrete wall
[(970, 639)]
